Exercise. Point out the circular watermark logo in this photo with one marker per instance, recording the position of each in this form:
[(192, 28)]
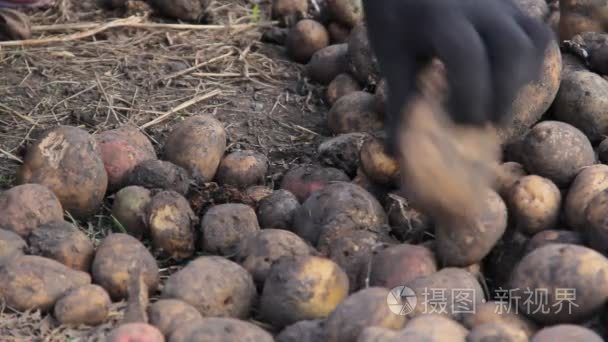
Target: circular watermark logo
[(401, 300)]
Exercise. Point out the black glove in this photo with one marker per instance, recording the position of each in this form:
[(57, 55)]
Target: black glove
[(490, 49)]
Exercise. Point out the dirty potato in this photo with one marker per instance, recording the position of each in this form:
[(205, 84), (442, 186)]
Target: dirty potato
[(342, 84), (242, 169), (495, 312), (303, 180), (129, 209), (361, 59), (342, 151), (11, 246), (168, 314), (566, 333), (346, 12), (496, 331), (186, 10), (397, 265), (302, 331), (377, 164), (156, 174), (595, 230), (534, 203), (589, 182), (223, 226), (135, 332), (554, 236), (355, 112), (288, 12), (507, 175), (433, 327), (89, 305), (220, 329), (277, 210), (327, 63), (304, 39)]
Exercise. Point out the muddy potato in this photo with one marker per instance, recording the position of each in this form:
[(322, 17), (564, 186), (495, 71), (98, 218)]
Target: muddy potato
[(341, 85), (197, 144), (121, 150), (354, 112), (378, 334), (508, 174), (220, 329), (277, 210), (257, 193), (186, 10), (304, 39), (156, 174), (377, 164), (400, 264), (302, 331), (562, 266), (129, 209), (362, 309), (242, 169), (135, 332), (338, 33), (346, 12), (566, 333), (35, 283), (25, 207), (602, 151), (171, 222), (168, 314), (379, 191), (496, 312), (407, 223), (340, 204), (327, 63), (11, 246), (64, 242), (321, 285), (67, 160), (223, 226), (258, 252), (342, 151), (556, 150), (595, 230), (116, 258), (288, 12), (588, 183), (89, 305), (433, 327), (303, 180), (581, 101), (361, 59), (461, 243), (596, 45), (503, 258), (581, 16), (496, 332), (228, 289), (554, 236), (534, 203)]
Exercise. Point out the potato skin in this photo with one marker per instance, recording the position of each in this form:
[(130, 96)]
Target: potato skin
[(602, 151), (197, 144), (11, 246), (242, 169), (220, 329), (302, 331), (508, 174), (347, 12), (321, 285), (535, 203), (546, 237), (63, 242), (223, 226), (135, 332), (89, 304), (397, 265), (67, 160), (354, 112), (277, 210), (377, 164), (288, 12), (35, 283), (581, 16), (494, 312), (25, 207), (588, 183), (596, 227), (113, 264), (327, 63), (156, 174), (168, 314), (342, 151), (497, 331), (228, 289), (129, 208), (566, 332), (562, 266), (305, 179), (557, 150), (341, 85), (304, 39)]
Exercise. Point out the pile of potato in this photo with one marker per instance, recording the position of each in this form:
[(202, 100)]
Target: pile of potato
[(319, 258)]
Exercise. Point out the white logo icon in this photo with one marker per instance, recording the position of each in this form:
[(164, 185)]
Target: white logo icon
[(401, 300)]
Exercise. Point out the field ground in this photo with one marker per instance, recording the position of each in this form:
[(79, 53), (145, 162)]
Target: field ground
[(134, 74)]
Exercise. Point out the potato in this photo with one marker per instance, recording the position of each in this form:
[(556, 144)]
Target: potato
[(566, 333), (458, 291), (321, 285), (159, 174), (400, 264), (346, 12), (362, 61), (554, 236), (186, 10), (304, 39), (227, 290), (497, 312), (380, 191), (340, 204), (135, 332), (171, 222), (11, 246), (556, 150), (433, 327), (377, 164), (25, 207), (377, 334), (580, 102), (496, 331), (581, 16), (242, 169), (62, 241), (588, 183), (259, 251), (407, 223), (277, 210), (223, 226), (89, 305), (381, 96), (534, 203), (129, 209), (503, 258), (354, 112), (327, 63), (360, 310), (507, 175), (341, 85), (342, 151), (168, 314), (288, 12), (257, 193), (220, 329), (302, 331), (338, 33), (67, 160), (35, 283), (560, 269), (117, 258), (303, 180), (595, 230), (596, 46), (121, 150), (197, 144), (602, 151), (461, 243)]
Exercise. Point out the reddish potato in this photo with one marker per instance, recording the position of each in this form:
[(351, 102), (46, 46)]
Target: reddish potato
[(129, 208), (341, 85), (168, 314), (156, 174), (11, 246), (587, 184), (303, 180), (400, 264), (277, 210), (89, 305), (327, 63), (135, 332), (354, 112), (342, 151), (225, 225), (535, 203), (242, 169), (306, 38)]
